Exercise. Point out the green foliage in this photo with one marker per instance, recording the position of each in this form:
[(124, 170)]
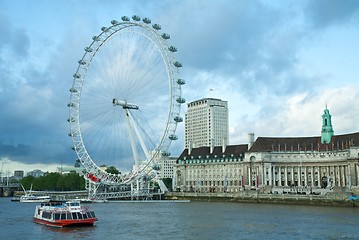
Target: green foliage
[(112, 170), (167, 182), (55, 182), (27, 181)]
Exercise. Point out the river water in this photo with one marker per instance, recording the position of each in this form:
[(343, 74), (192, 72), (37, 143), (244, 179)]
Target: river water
[(193, 220)]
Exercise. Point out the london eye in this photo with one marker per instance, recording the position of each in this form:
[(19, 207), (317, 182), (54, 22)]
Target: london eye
[(125, 101)]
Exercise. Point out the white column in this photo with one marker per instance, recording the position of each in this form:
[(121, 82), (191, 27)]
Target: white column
[(336, 176), (285, 176), (343, 176), (319, 177), (340, 179), (279, 176), (249, 176), (312, 176)]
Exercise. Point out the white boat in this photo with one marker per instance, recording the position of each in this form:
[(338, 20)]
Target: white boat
[(31, 198), (34, 199), (66, 214)]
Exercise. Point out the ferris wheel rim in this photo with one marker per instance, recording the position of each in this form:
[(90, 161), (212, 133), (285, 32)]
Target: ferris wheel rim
[(173, 116)]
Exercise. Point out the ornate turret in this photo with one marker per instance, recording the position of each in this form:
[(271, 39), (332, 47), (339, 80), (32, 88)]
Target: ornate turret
[(327, 128)]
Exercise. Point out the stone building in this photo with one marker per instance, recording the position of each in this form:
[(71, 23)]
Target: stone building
[(307, 164)]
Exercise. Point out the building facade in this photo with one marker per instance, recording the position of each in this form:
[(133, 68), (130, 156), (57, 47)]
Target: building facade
[(167, 163), (206, 123), (306, 164)]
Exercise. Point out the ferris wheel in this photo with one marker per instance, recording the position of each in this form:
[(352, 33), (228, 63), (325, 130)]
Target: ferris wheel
[(125, 101)]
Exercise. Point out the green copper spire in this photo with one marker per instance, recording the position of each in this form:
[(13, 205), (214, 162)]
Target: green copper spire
[(327, 128)]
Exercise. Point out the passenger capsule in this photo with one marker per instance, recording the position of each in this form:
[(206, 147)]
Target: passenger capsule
[(177, 64), (73, 134), (165, 153), (96, 38), (136, 18), (82, 62), (165, 36), (146, 20), (71, 104), (71, 119), (181, 81), (178, 119), (104, 29), (73, 90), (156, 26), (181, 100), (173, 137), (172, 49), (88, 49), (114, 22), (124, 18), (76, 75), (156, 167)]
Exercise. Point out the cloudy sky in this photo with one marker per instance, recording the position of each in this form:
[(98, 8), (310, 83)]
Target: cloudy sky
[(277, 63)]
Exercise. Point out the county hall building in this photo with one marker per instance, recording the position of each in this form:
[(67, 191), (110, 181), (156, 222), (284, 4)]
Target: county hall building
[(327, 162)]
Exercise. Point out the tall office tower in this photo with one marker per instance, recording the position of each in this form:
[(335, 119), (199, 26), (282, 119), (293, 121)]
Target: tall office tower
[(206, 123)]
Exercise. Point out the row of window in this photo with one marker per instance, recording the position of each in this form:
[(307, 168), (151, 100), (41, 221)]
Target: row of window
[(68, 215)]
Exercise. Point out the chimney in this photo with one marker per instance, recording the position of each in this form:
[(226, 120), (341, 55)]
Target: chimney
[(211, 147), (250, 140), (224, 145)]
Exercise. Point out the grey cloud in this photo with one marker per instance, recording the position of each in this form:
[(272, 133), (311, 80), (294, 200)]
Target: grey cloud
[(9, 150), (15, 40), (323, 13)]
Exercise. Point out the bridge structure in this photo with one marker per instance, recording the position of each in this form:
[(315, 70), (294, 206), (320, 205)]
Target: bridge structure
[(142, 194), (7, 188)]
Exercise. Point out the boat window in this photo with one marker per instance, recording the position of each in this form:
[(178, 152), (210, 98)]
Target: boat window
[(74, 215), (84, 215), (63, 216), (46, 215), (91, 214), (79, 215), (57, 216), (69, 216)]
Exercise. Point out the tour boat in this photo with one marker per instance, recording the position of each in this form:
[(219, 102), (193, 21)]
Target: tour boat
[(34, 199), (28, 197), (66, 214)]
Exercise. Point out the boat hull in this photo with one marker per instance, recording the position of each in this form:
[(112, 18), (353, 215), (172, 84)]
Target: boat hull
[(66, 223), (35, 200)]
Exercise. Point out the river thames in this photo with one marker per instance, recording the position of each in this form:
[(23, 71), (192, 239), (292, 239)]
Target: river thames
[(193, 220)]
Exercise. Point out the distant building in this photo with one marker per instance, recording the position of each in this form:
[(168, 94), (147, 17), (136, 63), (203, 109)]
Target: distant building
[(18, 174), (35, 173), (167, 166), (206, 123), (324, 163), (66, 170)]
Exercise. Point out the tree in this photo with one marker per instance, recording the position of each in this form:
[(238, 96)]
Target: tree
[(27, 182), (55, 182), (112, 170), (167, 182)]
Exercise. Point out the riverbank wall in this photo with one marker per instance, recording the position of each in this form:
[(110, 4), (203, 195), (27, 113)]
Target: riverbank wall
[(253, 197)]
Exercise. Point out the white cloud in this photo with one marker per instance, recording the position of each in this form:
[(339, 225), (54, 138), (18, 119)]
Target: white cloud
[(8, 167)]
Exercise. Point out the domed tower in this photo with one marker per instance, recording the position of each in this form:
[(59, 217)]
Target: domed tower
[(327, 128)]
